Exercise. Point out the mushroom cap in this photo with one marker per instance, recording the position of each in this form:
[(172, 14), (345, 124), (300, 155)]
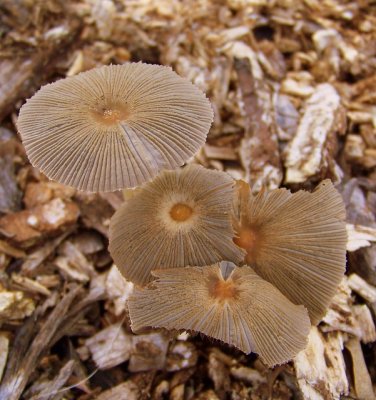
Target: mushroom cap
[(115, 126), (181, 218), (228, 303), (295, 241)]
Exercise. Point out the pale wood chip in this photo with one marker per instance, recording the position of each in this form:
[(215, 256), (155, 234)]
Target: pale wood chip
[(221, 153), (4, 349), (219, 374), (11, 251), (248, 375), (181, 355), (36, 258), (320, 368), (30, 285), (307, 152), (365, 320), (126, 390), (362, 379), (259, 152), (339, 316), (25, 356), (118, 289), (51, 390), (110, 347), (361, 287), (28, 227), (148, 352), (359, 236), (14, 305)]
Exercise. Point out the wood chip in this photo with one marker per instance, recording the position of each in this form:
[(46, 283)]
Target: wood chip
[(21, 366), (110, 347), (181, 355), (148, 352), (248, 375), (14, 305), (359, 236), (258, 151), (26, 228), (362, 379), (36, 258), (365, 320), (118, 289), (30, 285), (10, 194), (11, 251), (126, 390), (4, 349), (320, 368), (308, 151), (339, 316), (361, 287), (51, 390)]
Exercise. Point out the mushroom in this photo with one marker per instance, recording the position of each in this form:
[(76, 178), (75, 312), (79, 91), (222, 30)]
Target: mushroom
[(115, 126), (296, 241), (228, 303), (181, 218)]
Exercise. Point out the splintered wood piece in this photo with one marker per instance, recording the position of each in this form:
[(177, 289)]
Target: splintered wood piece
[(54, 389), (126, 390), (24, 357), (320, 368), (362, 379), (4, 349), (225, 302), (362, 288), (365, 321), (259, 151), (359, 236), (110, 346), (10, 194), (308, 151)]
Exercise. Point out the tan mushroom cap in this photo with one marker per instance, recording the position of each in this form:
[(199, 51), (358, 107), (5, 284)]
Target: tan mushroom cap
[(181, 218), (296, 241), (227, 303), (115, 126)]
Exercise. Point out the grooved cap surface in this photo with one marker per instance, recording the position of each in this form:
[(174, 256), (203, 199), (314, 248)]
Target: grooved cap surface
[(115, 126)]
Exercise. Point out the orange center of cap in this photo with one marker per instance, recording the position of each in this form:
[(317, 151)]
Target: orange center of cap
[(246, 239), (112, 114), (223, 290), (180, 212)]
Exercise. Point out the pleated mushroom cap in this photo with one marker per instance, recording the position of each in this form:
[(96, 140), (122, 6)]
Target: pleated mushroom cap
[(115, 126), (227, 303), (181, 218), (296, 241)]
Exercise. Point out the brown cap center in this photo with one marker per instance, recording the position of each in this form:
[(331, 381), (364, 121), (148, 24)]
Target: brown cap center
[(247, 238), (112, 114), (223, 290), (180, 212)]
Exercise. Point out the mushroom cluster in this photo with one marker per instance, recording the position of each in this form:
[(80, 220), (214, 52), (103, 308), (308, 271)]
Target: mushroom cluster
[(253, 271), (262, 299)]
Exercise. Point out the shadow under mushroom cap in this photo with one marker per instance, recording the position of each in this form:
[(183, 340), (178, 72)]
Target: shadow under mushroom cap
[(295, 241), (180, 218), (228, 303), (115, 126)]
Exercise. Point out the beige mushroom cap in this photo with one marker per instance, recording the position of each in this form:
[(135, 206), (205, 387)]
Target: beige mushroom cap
[(227, 303), (181, 218), (115, 126), (296, 241)]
